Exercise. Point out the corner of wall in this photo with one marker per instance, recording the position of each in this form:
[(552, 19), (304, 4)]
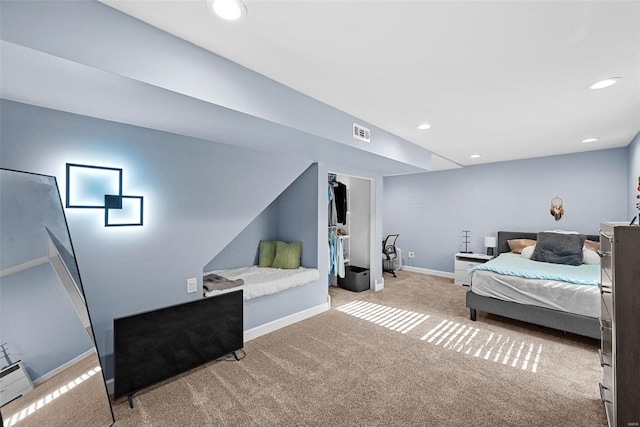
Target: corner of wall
[(633, 169), (291, 216)]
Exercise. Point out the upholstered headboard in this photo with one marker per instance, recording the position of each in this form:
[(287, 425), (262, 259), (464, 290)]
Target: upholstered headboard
[(503, 236)]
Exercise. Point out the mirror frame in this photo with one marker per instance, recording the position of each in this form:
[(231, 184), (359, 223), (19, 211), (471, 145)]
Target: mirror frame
[(61, 265)]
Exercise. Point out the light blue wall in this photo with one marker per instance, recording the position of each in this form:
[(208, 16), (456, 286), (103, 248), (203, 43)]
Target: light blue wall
[(298, 215), (291, 217), (198, 196), (39, 323), (430, 210), (25, 222), (634, 174), (243, 250)]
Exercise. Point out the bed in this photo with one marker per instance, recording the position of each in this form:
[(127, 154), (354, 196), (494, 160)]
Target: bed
[(570, 304), (256, 281)]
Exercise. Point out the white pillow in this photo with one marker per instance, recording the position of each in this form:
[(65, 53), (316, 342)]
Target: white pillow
[(561, 232), (590, 257), (528, 251)]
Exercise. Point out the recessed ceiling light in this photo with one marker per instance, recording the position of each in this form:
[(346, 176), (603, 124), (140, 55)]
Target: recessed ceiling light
[(604, 83), (424, 126), (589, 140), (475, 156), (229, 10)]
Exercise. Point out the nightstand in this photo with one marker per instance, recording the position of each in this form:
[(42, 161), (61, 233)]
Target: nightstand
[(463, 262), (14, 382)]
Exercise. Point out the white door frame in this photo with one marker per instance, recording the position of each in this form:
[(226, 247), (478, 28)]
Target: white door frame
[(375, 249)]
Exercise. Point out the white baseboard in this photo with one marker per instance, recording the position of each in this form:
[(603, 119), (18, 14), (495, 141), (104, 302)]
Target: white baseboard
[(285, 321), (24, 266), (63, 367), (429, 272), (378, 286)]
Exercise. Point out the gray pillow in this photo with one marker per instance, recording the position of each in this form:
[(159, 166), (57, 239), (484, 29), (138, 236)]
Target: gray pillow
[(558, 248)]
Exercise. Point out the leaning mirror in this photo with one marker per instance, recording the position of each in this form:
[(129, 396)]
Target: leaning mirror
[(50, 373)]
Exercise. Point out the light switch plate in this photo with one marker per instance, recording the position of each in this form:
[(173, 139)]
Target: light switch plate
[(192, 285)]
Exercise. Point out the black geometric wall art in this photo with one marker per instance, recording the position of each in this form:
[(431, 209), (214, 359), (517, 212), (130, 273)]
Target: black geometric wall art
[(100, 187), (129, 213), (87, 185)]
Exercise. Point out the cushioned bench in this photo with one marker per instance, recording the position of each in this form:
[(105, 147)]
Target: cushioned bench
[(261, 281)]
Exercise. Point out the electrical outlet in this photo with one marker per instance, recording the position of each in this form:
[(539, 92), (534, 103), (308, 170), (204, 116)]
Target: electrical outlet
[(411, 255), (192, 285)]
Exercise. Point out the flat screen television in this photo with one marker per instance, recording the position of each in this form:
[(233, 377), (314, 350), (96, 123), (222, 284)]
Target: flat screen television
[(156, 345)]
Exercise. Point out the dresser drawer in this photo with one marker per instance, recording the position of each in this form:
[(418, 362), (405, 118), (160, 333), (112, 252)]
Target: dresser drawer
[(606, 307), (11, 374), (607, 377), (14, 382), (462, 277), (605, 253), (465, 265), (464, 262), (606, 340), (15, 389)]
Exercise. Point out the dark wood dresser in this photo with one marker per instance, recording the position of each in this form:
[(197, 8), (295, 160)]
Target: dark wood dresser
[(620, 323)]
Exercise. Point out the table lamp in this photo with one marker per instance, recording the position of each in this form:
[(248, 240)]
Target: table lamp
[(490, 243)]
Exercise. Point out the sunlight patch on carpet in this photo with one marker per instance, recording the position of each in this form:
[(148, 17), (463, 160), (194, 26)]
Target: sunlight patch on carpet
[(497, 348), (21, 415), (395, 319), (451, 335)]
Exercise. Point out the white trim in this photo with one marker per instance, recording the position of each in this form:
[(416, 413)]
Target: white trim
[(429, 272), (110, 387), (61, 368), (23, 266), (284, 321), (374, 249)]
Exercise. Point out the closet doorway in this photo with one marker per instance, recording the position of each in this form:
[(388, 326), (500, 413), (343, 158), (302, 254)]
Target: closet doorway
[(356, 224)]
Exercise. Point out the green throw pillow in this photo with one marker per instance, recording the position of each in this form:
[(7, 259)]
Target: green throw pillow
[(287, 255), (267, 253)]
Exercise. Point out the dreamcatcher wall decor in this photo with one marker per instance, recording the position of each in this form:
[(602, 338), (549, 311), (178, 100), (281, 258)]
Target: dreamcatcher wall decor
[(557, 210)]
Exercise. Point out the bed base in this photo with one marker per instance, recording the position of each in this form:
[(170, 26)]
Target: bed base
[(563, 321)]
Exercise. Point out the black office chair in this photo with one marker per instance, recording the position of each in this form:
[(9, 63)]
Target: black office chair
[(389, 254)]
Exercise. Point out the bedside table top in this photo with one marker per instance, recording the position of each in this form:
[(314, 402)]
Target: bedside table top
[(484, 257)]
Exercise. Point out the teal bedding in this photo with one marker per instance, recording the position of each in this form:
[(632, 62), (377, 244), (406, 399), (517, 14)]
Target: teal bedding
[(515, 265)]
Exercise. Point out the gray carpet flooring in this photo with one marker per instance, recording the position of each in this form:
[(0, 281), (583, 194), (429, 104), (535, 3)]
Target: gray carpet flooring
[(74, 397), (405, 356)]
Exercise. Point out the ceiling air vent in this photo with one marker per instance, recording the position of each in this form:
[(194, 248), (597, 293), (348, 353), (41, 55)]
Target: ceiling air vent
[(361, 133)]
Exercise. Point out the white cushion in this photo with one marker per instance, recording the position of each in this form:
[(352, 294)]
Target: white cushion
[(528, 251), (590, 257)]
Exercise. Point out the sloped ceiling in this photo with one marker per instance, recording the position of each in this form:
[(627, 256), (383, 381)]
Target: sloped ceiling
[(504, 79), (89, 59)]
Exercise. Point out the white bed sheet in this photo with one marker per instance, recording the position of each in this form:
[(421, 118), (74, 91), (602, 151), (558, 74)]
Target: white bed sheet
[(261, 281), (578, 299)]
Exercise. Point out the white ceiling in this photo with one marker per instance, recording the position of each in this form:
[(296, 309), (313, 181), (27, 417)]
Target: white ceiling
[(506, 80)]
